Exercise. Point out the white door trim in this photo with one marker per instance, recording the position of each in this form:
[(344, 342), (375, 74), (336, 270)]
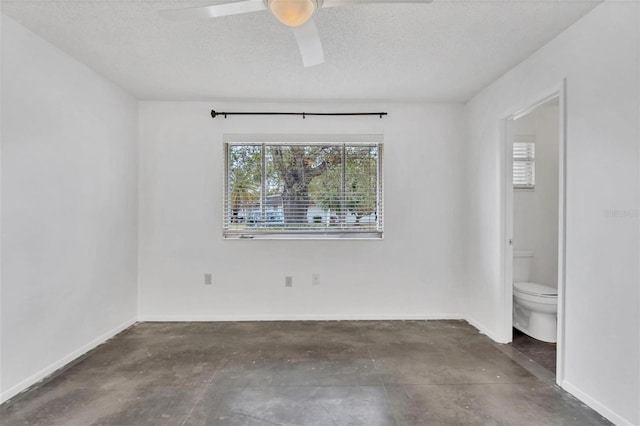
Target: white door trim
[(506, 228)]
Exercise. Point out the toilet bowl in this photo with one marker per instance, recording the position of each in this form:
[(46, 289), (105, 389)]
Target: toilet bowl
[(535, 308)]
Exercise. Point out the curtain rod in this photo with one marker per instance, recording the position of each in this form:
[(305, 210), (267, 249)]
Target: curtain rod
[(214, 113)]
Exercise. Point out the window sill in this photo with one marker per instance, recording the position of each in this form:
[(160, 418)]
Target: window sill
[(306, 236)]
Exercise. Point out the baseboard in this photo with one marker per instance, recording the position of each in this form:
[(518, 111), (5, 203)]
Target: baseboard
[(484, 329), (595, 404), (35, 378), (313, 317)]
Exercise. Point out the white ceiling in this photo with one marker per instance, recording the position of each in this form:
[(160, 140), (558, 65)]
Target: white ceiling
[(445, 51)]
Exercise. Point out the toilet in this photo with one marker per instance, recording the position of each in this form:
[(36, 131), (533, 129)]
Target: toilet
[(535, 306)]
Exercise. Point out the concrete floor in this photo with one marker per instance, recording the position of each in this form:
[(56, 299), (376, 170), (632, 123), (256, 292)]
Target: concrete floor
[(541, 352), (301, 373)]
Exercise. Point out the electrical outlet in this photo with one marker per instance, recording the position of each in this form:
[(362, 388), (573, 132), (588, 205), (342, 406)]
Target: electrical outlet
[(288, 281), (315, 279), (208, 279)]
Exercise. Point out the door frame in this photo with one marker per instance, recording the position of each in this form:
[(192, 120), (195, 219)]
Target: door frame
[(506, 229)]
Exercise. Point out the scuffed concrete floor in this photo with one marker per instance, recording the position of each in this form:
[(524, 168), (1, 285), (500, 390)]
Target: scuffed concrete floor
[(297, 373), (541, 352)]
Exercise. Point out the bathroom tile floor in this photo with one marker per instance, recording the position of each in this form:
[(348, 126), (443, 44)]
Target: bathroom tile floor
[(540, 352), (299, 373)]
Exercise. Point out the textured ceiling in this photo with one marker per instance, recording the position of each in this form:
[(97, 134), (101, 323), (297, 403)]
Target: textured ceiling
[(445, 51)]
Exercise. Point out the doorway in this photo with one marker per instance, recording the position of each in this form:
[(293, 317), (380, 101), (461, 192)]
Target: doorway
[(534, 158)]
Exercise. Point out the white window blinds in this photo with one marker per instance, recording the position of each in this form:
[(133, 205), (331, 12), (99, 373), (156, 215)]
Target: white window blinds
[(524, 167), (303, 190)]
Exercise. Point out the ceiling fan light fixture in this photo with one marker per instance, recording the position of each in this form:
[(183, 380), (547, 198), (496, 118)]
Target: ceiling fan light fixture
[(292, 13)]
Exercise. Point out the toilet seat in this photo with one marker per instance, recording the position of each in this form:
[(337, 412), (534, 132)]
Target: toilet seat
[(535, 289)]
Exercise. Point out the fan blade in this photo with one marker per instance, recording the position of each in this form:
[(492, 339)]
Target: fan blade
[(213, 11), (309, 43), (336, 3)]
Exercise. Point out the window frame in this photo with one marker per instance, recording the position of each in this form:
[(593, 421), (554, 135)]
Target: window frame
[(526, 162), (230, 140)]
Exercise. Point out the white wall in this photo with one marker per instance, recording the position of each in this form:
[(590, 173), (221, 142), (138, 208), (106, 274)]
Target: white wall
[(413, 273), (535, 211), (69, 203), (599, 56)]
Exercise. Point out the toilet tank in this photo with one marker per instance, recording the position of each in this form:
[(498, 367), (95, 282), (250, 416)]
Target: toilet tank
[(522, 263)]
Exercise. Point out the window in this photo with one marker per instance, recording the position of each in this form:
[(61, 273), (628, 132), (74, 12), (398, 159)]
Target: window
[(524, 166), (303, 187)]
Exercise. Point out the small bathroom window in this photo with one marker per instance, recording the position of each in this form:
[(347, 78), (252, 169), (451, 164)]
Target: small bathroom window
[(524, 166)]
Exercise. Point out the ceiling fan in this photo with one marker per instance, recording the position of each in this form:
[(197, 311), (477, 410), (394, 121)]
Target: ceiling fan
[(293, 13)]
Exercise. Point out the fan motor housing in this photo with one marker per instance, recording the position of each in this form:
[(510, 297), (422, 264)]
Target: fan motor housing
[(293, 13)]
